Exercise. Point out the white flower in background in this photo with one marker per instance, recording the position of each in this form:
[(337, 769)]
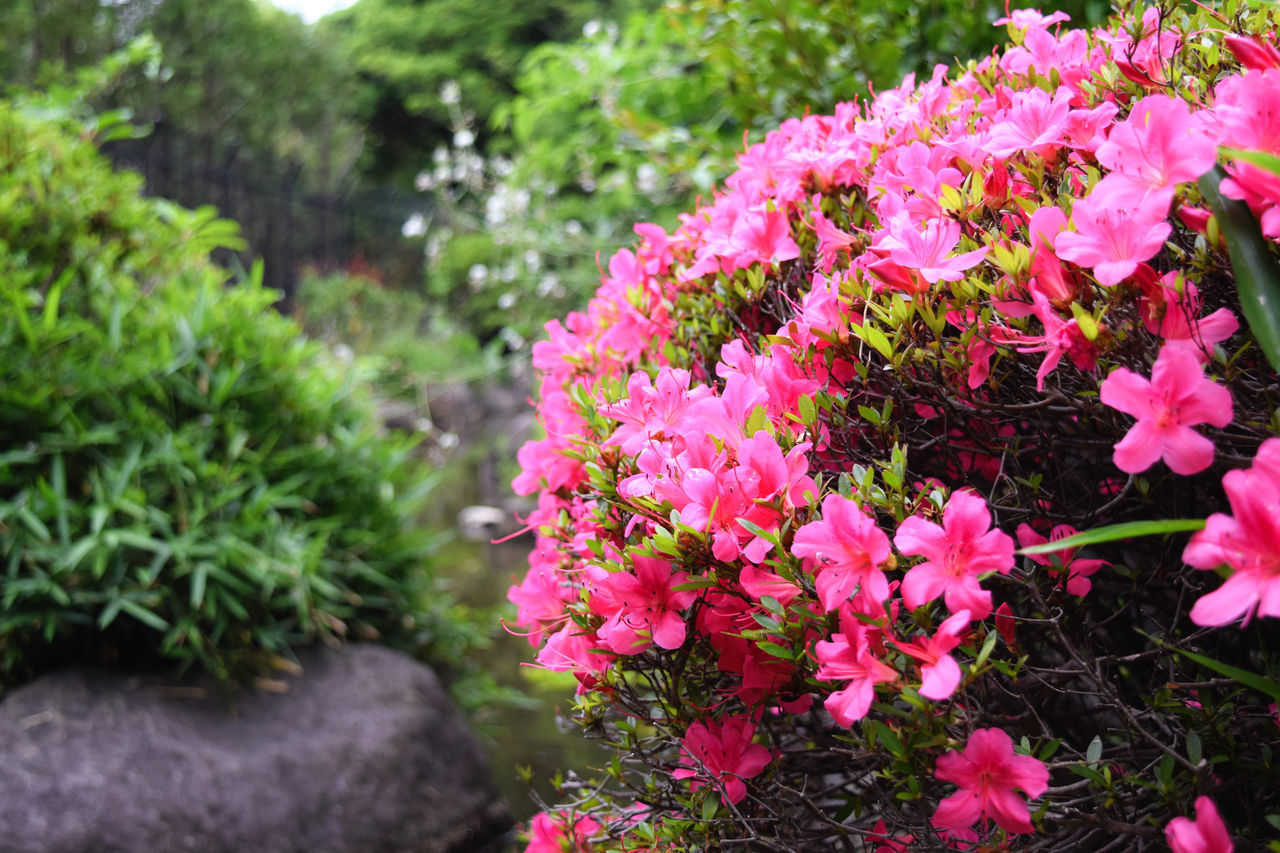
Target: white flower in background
[(512, 338), (532, 260), (414, 226), (440, 155), (508, 272), (425, 182), (463, 139), (591, 29), (573, 228), (477, 276), (549, 286), (451, 92), (506, 301), (646, 178)]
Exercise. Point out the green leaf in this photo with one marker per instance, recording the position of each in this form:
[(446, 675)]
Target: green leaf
[(1112, 532), (1257, 277), (1195, 751), (1093, 754), (1261, 159), (1248, 679)]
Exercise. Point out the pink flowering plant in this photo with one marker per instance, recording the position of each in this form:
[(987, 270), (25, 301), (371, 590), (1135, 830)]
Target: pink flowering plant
[(864, 496)]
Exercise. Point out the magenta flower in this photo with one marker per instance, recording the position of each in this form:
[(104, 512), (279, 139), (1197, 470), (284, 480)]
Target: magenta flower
[(1177, 397), (1112, 238), (640, 609), (1159, 145), (1206, 834), (927, 251), (988, 772), (848, 657), (849, 549), (1248, 542), (956, 553), (723, 753), (548, 832), (940, 674)]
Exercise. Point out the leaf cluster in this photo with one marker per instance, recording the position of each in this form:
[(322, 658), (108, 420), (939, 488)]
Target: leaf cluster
[(184, 478)]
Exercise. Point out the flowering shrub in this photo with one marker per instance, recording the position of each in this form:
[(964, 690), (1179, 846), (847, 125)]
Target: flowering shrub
[(789, 448)]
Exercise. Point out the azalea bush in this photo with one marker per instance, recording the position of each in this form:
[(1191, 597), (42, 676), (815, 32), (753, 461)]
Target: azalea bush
[(921, 490)]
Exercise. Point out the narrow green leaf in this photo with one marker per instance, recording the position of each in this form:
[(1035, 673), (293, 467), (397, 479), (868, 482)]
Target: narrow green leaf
[(1248, 679), (1257, 277), (1261, 159), (143, 615), (1112, 532)]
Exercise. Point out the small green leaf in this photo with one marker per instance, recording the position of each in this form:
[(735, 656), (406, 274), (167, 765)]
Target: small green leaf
[(1093, 754), (1195, 751)]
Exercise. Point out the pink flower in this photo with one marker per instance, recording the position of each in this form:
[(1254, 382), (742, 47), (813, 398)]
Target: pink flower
[(849, 657), (1206, 834), (1078, 571), (1177, 397), (849, 548), (723, 753), (1158, 145), (939, 671), (640, 609), (988, 772), (956, 553), (927, 251), (1248, 542), (547, 833), (1113, 238)]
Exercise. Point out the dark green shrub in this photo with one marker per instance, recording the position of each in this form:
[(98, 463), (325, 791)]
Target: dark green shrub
[(183, 476)]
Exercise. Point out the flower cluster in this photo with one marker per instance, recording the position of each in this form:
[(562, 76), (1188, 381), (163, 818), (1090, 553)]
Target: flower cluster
[(787, 444)]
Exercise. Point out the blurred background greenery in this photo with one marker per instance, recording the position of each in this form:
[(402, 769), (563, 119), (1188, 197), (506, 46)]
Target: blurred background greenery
[(420, 185)]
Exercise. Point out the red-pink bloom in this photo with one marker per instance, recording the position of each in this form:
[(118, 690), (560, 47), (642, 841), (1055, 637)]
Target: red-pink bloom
[(1206, 834), (724, 754), (927, 251), (939, 671), (1177, 397), (988, 772), (547, 833), (1078, 571), (1248, 541), (1159, 145), (849, 549), (1113, 238), (955, 553), (640, 609), (848, 656)]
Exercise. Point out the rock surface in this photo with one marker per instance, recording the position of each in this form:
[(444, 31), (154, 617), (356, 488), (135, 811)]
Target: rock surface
[(363, 752)]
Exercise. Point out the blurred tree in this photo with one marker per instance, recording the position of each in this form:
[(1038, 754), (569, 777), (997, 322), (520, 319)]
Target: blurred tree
[(774, 59), (237, 72), (406, 51)]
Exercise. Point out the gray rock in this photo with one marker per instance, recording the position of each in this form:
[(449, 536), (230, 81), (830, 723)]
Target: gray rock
[(363, 752)]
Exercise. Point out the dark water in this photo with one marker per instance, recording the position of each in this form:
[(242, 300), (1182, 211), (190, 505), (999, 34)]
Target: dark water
[(528, 734)]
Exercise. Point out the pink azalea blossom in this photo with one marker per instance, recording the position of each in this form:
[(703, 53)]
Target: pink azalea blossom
[(1159, 145), (1248, 541), (955, 553), (1177, 397), (548, 833), (640, 609), (988, 774), (724, 754), (940, 673), (1113, 238), (1078, 571), (849, 548), (848, 656), (928, 251), (1206, 834)]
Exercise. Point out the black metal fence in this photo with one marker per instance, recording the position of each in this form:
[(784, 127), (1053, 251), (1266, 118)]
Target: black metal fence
[(285, 225)]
